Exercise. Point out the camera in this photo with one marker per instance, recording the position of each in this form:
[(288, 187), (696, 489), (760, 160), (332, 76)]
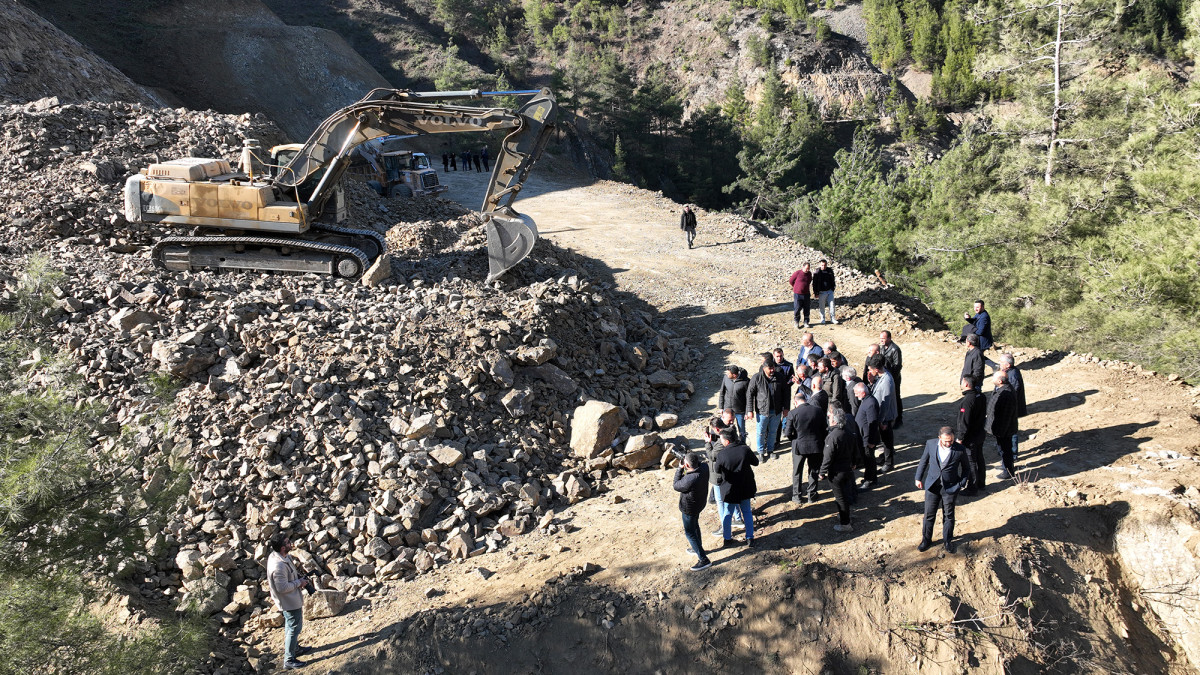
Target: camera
[(679, 454)]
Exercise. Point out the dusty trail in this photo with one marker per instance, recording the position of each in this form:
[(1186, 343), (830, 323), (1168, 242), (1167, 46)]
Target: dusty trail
[(806, 599)]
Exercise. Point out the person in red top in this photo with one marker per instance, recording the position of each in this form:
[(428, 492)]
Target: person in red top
[(801, 283)]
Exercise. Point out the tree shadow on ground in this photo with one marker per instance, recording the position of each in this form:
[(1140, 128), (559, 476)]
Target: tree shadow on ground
[(1061, 402)]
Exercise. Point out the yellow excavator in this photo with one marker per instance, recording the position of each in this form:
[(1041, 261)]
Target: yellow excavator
[(284, 214)]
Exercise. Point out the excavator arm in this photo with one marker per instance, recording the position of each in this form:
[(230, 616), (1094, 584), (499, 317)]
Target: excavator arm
[(323, 159)]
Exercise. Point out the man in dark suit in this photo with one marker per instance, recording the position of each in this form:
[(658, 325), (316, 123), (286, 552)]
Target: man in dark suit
[(818, 397), (867, 419), (735, 471), (971, 432), (806, 426), (1002, 422), (942, 473)]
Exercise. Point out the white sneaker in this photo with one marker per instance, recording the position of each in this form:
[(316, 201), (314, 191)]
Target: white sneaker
[(835, 322), (843, 528)]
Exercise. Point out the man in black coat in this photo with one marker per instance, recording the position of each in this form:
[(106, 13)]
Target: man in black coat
[(837, 466), (687, 223), (867, 419), (973, 362), (1002, 423), (691, 481), (823, 285), (832, 384), (735, 470), (1016, 382), (733, 394), (786, 373), (942, 473), (971, 433), (806, 427), (818, 397), (767, 401)]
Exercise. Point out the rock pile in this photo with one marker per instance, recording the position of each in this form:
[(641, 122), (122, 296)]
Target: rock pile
[(391, 429), (63, 167)]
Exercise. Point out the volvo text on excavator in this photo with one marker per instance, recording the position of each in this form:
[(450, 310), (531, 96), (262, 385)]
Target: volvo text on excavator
[(285, 214)]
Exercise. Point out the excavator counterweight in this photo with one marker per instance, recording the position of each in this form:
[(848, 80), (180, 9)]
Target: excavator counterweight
[(287, 217)]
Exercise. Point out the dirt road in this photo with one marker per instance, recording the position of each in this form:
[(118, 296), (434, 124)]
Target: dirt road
[(1035, 585)]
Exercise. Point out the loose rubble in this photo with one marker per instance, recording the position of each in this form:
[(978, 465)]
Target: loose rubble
[(393, 429)]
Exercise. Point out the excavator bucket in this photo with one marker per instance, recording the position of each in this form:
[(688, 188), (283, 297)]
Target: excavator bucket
[(510, 238)]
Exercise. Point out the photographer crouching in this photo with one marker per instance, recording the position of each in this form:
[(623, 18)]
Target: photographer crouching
[(691, 480)]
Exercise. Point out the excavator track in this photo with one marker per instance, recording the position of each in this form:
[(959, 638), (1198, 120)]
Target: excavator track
[(263, 254), (352, 235)]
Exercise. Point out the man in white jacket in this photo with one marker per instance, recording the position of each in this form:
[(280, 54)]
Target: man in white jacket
[(285, 585)]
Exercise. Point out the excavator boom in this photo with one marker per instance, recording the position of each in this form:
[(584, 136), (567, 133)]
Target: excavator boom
[(301, 188)]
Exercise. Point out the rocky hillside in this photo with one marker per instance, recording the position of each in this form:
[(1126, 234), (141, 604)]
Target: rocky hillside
[(37, 60), (233, 56)]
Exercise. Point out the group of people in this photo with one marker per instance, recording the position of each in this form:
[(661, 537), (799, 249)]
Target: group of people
[(477, 157), (839, 420)]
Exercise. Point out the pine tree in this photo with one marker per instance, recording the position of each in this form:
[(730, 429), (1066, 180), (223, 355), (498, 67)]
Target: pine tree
[(954, 82)]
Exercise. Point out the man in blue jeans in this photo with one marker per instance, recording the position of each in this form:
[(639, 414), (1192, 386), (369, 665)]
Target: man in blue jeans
[(691, 480), (767, 402), (823, 285), (285, 584), (735, 479)]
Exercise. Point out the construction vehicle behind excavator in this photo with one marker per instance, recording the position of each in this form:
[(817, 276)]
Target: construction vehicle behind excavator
[(284, 214)]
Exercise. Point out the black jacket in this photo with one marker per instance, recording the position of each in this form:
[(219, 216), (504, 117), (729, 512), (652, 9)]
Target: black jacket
[(733, 392), (687, 220), (805, 425), (765, 395), (694, 488), (953, 475), (972, 413), (867, 419), (823, 280), (1017, 382), (713, 447), (1002, 413), (850, 397), (735, 466), (893, 358), (820, 399), (973, 366), (839, 452)]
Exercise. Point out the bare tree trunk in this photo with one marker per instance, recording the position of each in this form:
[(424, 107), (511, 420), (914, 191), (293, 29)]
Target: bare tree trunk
[(1054, 113)]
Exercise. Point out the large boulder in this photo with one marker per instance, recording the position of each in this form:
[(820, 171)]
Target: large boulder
[(594, 425), (323, 603), (641, 452)]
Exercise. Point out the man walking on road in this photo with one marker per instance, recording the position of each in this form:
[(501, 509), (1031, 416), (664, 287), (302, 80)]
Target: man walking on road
[(1002, 422), (687, 223), (893, 359), (806, 425), (691, 480), (767, 401), (823, 286), (942, 473), (735, 470), (971, 433), (800, 283)]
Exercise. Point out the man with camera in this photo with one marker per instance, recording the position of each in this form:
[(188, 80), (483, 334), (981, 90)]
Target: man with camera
[(712, 446), (286, 583), (691, 481)]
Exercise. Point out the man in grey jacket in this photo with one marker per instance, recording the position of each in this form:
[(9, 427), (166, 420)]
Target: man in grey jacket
[(883, 388), (285, 584)]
